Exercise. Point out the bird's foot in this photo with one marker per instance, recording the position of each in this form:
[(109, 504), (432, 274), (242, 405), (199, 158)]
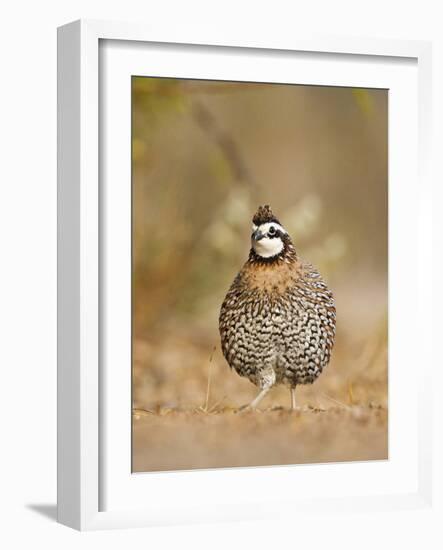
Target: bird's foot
[(246, 408)]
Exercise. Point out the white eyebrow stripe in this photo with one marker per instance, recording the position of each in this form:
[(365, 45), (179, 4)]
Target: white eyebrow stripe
[(264, 227), (254, 227)]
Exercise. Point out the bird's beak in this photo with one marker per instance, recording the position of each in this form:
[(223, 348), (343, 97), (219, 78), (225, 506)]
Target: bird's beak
[(257, 235)]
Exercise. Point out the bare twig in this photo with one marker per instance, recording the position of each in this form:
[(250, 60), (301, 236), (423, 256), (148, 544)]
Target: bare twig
[(142, 412), (208, 123), (208, 387), (351, 393), (336, 401), (212, 409)]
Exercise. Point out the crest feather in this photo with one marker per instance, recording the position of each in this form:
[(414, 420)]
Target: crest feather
[(264, 215)]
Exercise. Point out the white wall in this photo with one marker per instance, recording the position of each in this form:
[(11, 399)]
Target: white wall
[(28, 272)]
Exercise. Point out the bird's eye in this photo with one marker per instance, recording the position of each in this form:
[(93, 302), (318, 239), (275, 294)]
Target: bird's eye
[(272, 230)]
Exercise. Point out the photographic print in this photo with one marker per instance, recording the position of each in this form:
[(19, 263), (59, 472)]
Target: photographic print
[(259, 274)]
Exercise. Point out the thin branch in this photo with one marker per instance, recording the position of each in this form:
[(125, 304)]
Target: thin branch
[(208, 123), (336, 401), (208, 387)]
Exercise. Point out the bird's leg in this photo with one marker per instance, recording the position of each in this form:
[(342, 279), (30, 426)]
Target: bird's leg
[(266, 381), (253, 404), (293, 402)]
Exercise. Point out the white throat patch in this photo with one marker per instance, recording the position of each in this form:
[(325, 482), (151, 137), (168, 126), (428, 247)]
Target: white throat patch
[(266, 247)]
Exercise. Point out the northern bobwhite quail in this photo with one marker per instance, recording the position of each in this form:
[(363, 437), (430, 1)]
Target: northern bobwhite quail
[(277, 322)]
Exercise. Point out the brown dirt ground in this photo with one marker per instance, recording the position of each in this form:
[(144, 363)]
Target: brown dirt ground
[(169, 439), (185, 403)]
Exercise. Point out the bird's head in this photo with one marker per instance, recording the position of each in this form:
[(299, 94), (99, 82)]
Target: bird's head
[(269, 240)]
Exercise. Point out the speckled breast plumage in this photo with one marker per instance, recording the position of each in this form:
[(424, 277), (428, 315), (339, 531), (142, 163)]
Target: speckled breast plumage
[(277, 323)]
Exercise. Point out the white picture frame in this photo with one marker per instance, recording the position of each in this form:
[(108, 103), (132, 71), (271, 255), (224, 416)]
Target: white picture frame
[(86, 472)]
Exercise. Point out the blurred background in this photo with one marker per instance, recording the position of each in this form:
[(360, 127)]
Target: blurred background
[(205, 155)]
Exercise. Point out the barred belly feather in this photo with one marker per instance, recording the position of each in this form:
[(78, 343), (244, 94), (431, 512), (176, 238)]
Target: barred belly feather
[(290, 330)]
